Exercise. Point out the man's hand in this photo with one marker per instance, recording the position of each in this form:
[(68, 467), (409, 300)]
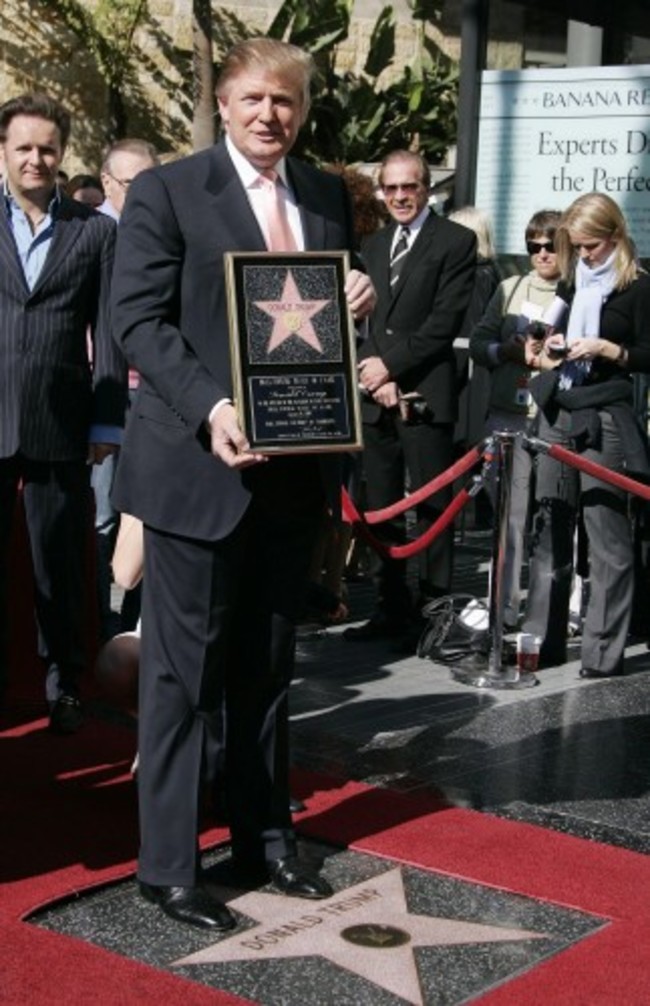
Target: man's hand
[(97, 452), (373, 373), (228, 443), (360, 294), (387, 395)]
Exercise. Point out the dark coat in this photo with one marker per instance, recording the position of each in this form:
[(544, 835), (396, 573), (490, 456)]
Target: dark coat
[(413, 326), (170, 317), (49, 392)]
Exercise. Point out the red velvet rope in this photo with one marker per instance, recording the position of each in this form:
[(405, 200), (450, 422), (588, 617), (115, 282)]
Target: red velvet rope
[(352, 515), (604, 474), (361, 522), (459, 468)]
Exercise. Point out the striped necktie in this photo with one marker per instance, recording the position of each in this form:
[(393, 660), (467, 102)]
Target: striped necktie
[(400, 251), (278, 232)]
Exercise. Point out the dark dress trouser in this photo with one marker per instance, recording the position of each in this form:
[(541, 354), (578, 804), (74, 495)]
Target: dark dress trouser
[(559, 488), (56, 497), (218, 643)]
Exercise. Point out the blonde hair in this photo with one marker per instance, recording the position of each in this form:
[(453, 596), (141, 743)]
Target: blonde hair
[(269, 55), (596, 216), (478, 221)]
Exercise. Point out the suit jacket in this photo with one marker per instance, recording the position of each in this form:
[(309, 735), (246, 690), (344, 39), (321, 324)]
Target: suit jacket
[(414, 325), (170, 317), (49, 393)]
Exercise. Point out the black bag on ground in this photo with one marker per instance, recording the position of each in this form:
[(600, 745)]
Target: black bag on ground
[(457, 627)]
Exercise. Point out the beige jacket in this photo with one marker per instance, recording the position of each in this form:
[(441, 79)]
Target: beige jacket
[(501, 321)]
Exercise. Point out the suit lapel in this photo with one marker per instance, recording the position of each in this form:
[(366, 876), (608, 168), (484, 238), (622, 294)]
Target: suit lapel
[(67, 229), (308, 197), (9, 253), (417, 249), (228, 197)]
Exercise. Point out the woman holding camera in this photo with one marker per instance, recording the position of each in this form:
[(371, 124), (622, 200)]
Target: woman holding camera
[(585, 399)]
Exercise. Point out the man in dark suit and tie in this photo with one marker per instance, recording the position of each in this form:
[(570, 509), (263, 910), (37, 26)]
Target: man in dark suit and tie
[(228, 534), (58, 413), (423, 270)]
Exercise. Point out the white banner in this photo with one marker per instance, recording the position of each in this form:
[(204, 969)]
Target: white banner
[(548, 136)]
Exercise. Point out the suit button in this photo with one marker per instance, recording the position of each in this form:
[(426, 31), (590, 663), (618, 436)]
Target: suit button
[(389, 331)]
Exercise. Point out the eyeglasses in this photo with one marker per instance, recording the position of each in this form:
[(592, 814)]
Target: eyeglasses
[(535, 247), (122, 182), (409, 187)]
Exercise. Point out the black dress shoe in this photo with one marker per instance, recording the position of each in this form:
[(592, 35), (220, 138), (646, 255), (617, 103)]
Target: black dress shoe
[(66, 715), (591, 672), (193, 905), (295, 878)]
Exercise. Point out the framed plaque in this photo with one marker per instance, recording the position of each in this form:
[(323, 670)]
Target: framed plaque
[(292, 345)]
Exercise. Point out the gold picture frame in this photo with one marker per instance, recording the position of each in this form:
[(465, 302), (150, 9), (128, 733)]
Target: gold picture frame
[(293, 351)]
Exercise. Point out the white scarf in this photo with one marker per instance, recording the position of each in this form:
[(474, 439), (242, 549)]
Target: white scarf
[(593, 287)]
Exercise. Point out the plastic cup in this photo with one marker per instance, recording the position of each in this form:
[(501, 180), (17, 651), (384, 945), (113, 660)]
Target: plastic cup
[(527, 652)]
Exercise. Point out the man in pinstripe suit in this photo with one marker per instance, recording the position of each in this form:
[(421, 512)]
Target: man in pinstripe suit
[(57, 413)]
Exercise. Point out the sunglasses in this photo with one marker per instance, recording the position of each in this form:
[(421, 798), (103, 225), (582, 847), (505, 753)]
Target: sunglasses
[(535, 247), (409, 187)]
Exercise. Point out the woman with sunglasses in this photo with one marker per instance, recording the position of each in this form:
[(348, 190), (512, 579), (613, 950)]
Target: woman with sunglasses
[(585, 398), (497, 342)]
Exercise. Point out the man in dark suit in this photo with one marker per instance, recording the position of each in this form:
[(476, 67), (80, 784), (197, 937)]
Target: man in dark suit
[(423, 268), (228, 533), (57, 413)]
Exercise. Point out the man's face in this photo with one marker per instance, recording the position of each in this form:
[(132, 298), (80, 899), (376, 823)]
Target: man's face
[(124, 166), (262, 114), (31, 155), (405, 194)]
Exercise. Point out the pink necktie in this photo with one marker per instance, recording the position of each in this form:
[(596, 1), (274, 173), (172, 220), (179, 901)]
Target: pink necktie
[(279, 233)]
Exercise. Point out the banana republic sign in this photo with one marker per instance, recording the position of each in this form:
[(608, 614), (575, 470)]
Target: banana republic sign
[(548, 136)]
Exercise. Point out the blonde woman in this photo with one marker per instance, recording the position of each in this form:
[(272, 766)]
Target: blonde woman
[(585, 396)]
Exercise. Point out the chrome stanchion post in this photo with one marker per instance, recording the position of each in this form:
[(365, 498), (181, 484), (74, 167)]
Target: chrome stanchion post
[(504, 449), (496, 674)]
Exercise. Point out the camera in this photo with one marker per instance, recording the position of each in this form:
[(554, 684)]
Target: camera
[(537, 330), (540, 331), (414, 411)]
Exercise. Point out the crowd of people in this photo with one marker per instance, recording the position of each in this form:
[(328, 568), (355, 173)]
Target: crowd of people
[(223, 540)]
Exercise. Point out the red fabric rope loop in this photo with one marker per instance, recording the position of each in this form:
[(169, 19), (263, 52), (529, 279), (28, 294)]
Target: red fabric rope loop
[(604, 474), (353, 516), (454, 472)]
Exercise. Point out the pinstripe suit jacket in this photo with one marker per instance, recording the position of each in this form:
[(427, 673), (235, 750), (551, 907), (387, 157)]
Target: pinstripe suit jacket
[(49, 394)]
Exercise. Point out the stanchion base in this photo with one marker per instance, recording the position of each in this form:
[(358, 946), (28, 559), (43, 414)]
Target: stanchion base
[(486, 677)]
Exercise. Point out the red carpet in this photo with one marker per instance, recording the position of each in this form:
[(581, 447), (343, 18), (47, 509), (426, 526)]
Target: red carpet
[(68, 814), (67, 807)]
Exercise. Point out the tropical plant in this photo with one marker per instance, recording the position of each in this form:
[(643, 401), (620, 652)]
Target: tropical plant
[(107, 32), (361, 116)]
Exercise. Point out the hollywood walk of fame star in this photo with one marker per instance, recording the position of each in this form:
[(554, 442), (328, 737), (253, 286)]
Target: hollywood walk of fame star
[(292, 316), (366, 929)]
